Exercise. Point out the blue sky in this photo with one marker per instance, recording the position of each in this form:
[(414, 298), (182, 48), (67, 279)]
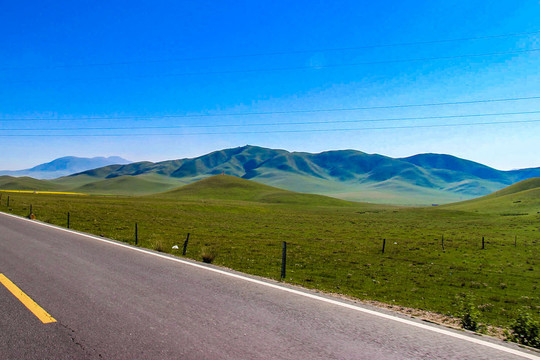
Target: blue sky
[(171, 79)]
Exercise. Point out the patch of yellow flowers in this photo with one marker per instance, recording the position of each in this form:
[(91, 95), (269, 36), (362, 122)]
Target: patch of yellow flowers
[(42, 192)]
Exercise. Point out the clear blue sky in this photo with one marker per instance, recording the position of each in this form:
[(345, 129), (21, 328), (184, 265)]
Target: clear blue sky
[(133, 70)]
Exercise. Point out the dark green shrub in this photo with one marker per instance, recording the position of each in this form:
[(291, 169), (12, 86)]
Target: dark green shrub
[(208, 255), (526, 331), (469, 315)]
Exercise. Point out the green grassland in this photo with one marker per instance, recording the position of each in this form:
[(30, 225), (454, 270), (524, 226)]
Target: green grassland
[(334, 245)]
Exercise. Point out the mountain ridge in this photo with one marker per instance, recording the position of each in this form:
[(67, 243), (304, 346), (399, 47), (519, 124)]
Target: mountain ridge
[(421, 179), (346, 174)]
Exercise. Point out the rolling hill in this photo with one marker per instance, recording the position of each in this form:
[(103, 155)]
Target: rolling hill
[(28, 183), (124, 185), (524, 185), (226, 187), (522, 198)]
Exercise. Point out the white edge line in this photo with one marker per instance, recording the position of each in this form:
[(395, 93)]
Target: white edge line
[(292, 291)]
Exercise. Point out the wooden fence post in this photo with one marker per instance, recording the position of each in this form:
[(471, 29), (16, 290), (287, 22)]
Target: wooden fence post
[(383, 245), (185, 245), (136, 234), (284, 260), (483, 243), (68, 220), (442, 242)]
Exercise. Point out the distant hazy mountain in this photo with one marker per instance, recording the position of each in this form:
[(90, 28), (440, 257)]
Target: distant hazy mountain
[(346, 174), (65, 166)]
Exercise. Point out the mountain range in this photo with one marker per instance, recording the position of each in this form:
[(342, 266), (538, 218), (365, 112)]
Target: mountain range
[(65, 166), (346, 174)]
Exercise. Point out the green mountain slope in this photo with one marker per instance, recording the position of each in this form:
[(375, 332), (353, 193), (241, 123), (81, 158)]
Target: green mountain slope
[(226, 187), (522, 198), (523, 185), (455, 167), (125, 185)]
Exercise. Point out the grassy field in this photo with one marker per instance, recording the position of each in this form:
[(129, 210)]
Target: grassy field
[(334, 245)]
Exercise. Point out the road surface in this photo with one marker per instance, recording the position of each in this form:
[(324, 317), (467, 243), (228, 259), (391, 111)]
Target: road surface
[(113, 301)]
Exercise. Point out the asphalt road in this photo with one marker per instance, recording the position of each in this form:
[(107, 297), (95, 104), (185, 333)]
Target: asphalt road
[(112, 301)]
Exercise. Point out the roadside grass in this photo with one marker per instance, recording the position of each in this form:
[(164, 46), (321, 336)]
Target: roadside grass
[(334, 248)]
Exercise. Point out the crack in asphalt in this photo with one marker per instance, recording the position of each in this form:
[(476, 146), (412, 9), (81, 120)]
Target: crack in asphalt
[(72, 335)]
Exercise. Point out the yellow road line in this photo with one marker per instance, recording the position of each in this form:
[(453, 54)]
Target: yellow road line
[(27, 301)]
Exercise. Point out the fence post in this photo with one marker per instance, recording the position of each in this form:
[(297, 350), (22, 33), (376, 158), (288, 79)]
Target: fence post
[(136, 234), (30, 214), (383, 245), (442, 242), (68, 220), (483, 244), (185, 245), (284, 260), (8, 201), (515, 241)]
